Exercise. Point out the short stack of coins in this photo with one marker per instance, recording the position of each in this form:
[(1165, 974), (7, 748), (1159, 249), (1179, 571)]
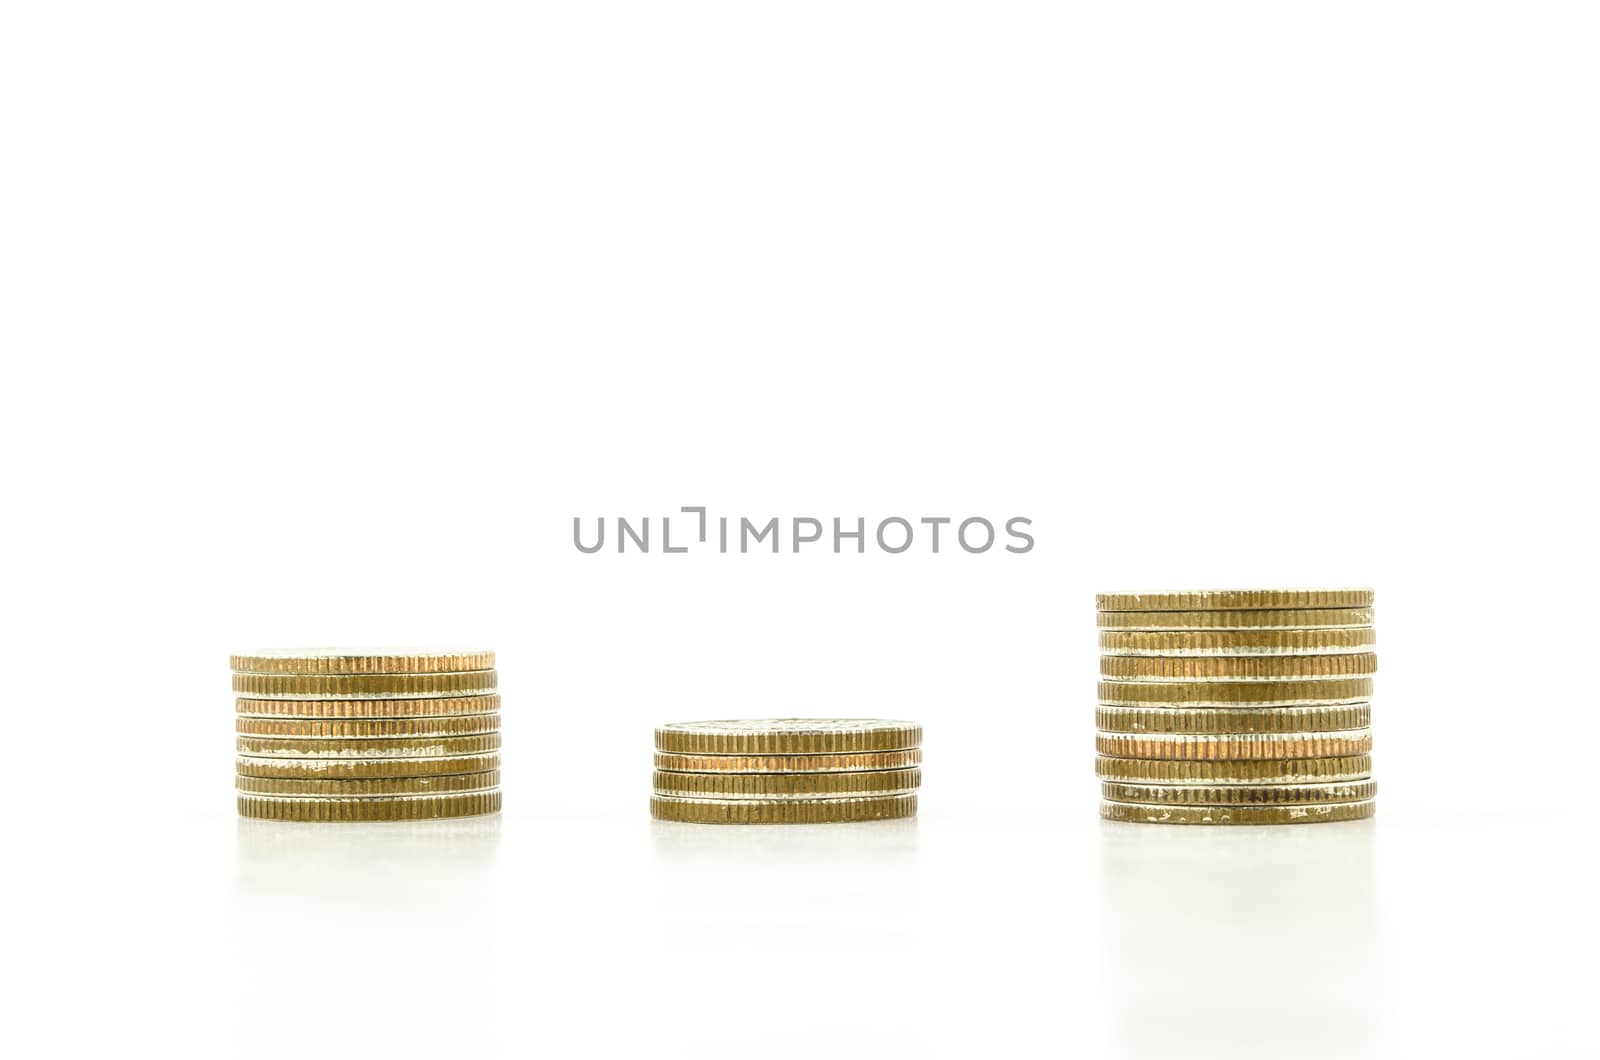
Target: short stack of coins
[(1236, 706), (787, 771), (366, 734)]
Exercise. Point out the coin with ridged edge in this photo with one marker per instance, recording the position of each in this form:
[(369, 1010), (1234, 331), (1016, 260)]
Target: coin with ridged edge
[(787, 811), (1238, 643), (1267, 668), (1238, 794), (857, 763), (360, 768), (444, 706), (367, 728), (1338, 811), (1178, 621), (1234, 599), (1278, 771), (362, 661), (1257, 745), (1236, 693), (409, 747), (363, 686), (1223, 720), (399, 808), (369, 788), (787, 785), (788, 736)]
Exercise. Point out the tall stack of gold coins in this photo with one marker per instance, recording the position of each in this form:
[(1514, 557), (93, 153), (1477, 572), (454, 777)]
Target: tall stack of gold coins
[(787, 771), (1236, 706), (366, 734)]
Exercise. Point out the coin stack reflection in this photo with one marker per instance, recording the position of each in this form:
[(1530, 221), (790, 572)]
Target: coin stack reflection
[(787, 771), (366, 734), (1236, 706)]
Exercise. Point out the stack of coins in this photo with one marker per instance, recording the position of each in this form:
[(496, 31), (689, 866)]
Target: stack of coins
[(787, 771), (380, 734), (1236, 706)]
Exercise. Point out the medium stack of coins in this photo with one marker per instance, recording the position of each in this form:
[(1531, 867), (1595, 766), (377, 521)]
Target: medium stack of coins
[(380, 734), (1237, 706), (787, 771)]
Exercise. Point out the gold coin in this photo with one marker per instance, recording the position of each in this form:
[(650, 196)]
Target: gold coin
[(368, 788), (787, 736), (1239, 642), (368, 708), (1255, 745), (405, 747), (870, 760), (789, 811), (1281, 771), (366, 728), (363, 686), (1338, 811), (400, 808), (1239, 794), (786, 785), (1222, 720), (363, 768), (1179, 621), (1267, 668), (1236, 693), (1235, 599), (362, 661)]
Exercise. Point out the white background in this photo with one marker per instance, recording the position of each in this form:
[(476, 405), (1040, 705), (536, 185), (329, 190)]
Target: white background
[(321, 322)]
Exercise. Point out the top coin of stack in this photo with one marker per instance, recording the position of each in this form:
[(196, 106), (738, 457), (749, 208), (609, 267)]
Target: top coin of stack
[(787, 771), (366, 734), (1236, 706)]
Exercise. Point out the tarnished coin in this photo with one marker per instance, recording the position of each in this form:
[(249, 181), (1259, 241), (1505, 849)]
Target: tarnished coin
[(1177, 621), (367, 728), (444, 706), (363, 686), (399, 808), (1266, 668), (1257, 745), (1234, 599), (1239, 642), (788, 736), (1280, 771), (1238, 794), (362, 768), (363, 661), (1338, 811), (1236, 693), (784, 811), (300, 787), (407, 747), (787, 785), (868, 760), (1223, 720)]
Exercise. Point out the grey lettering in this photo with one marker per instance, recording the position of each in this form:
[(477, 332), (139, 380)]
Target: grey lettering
[(904, 544), (961, 534), (702, 513), (666, 536), (1014, 532), (577, 538), (643, 543), (800, 539), (746, 526), (860, 534)]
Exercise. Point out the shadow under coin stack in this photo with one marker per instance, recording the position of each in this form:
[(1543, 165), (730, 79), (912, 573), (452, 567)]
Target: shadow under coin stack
[(346, 734), (787, 771), (1236, 707)]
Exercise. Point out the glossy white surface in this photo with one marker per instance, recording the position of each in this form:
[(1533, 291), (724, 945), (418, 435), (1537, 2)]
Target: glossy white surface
[(320, 322)]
